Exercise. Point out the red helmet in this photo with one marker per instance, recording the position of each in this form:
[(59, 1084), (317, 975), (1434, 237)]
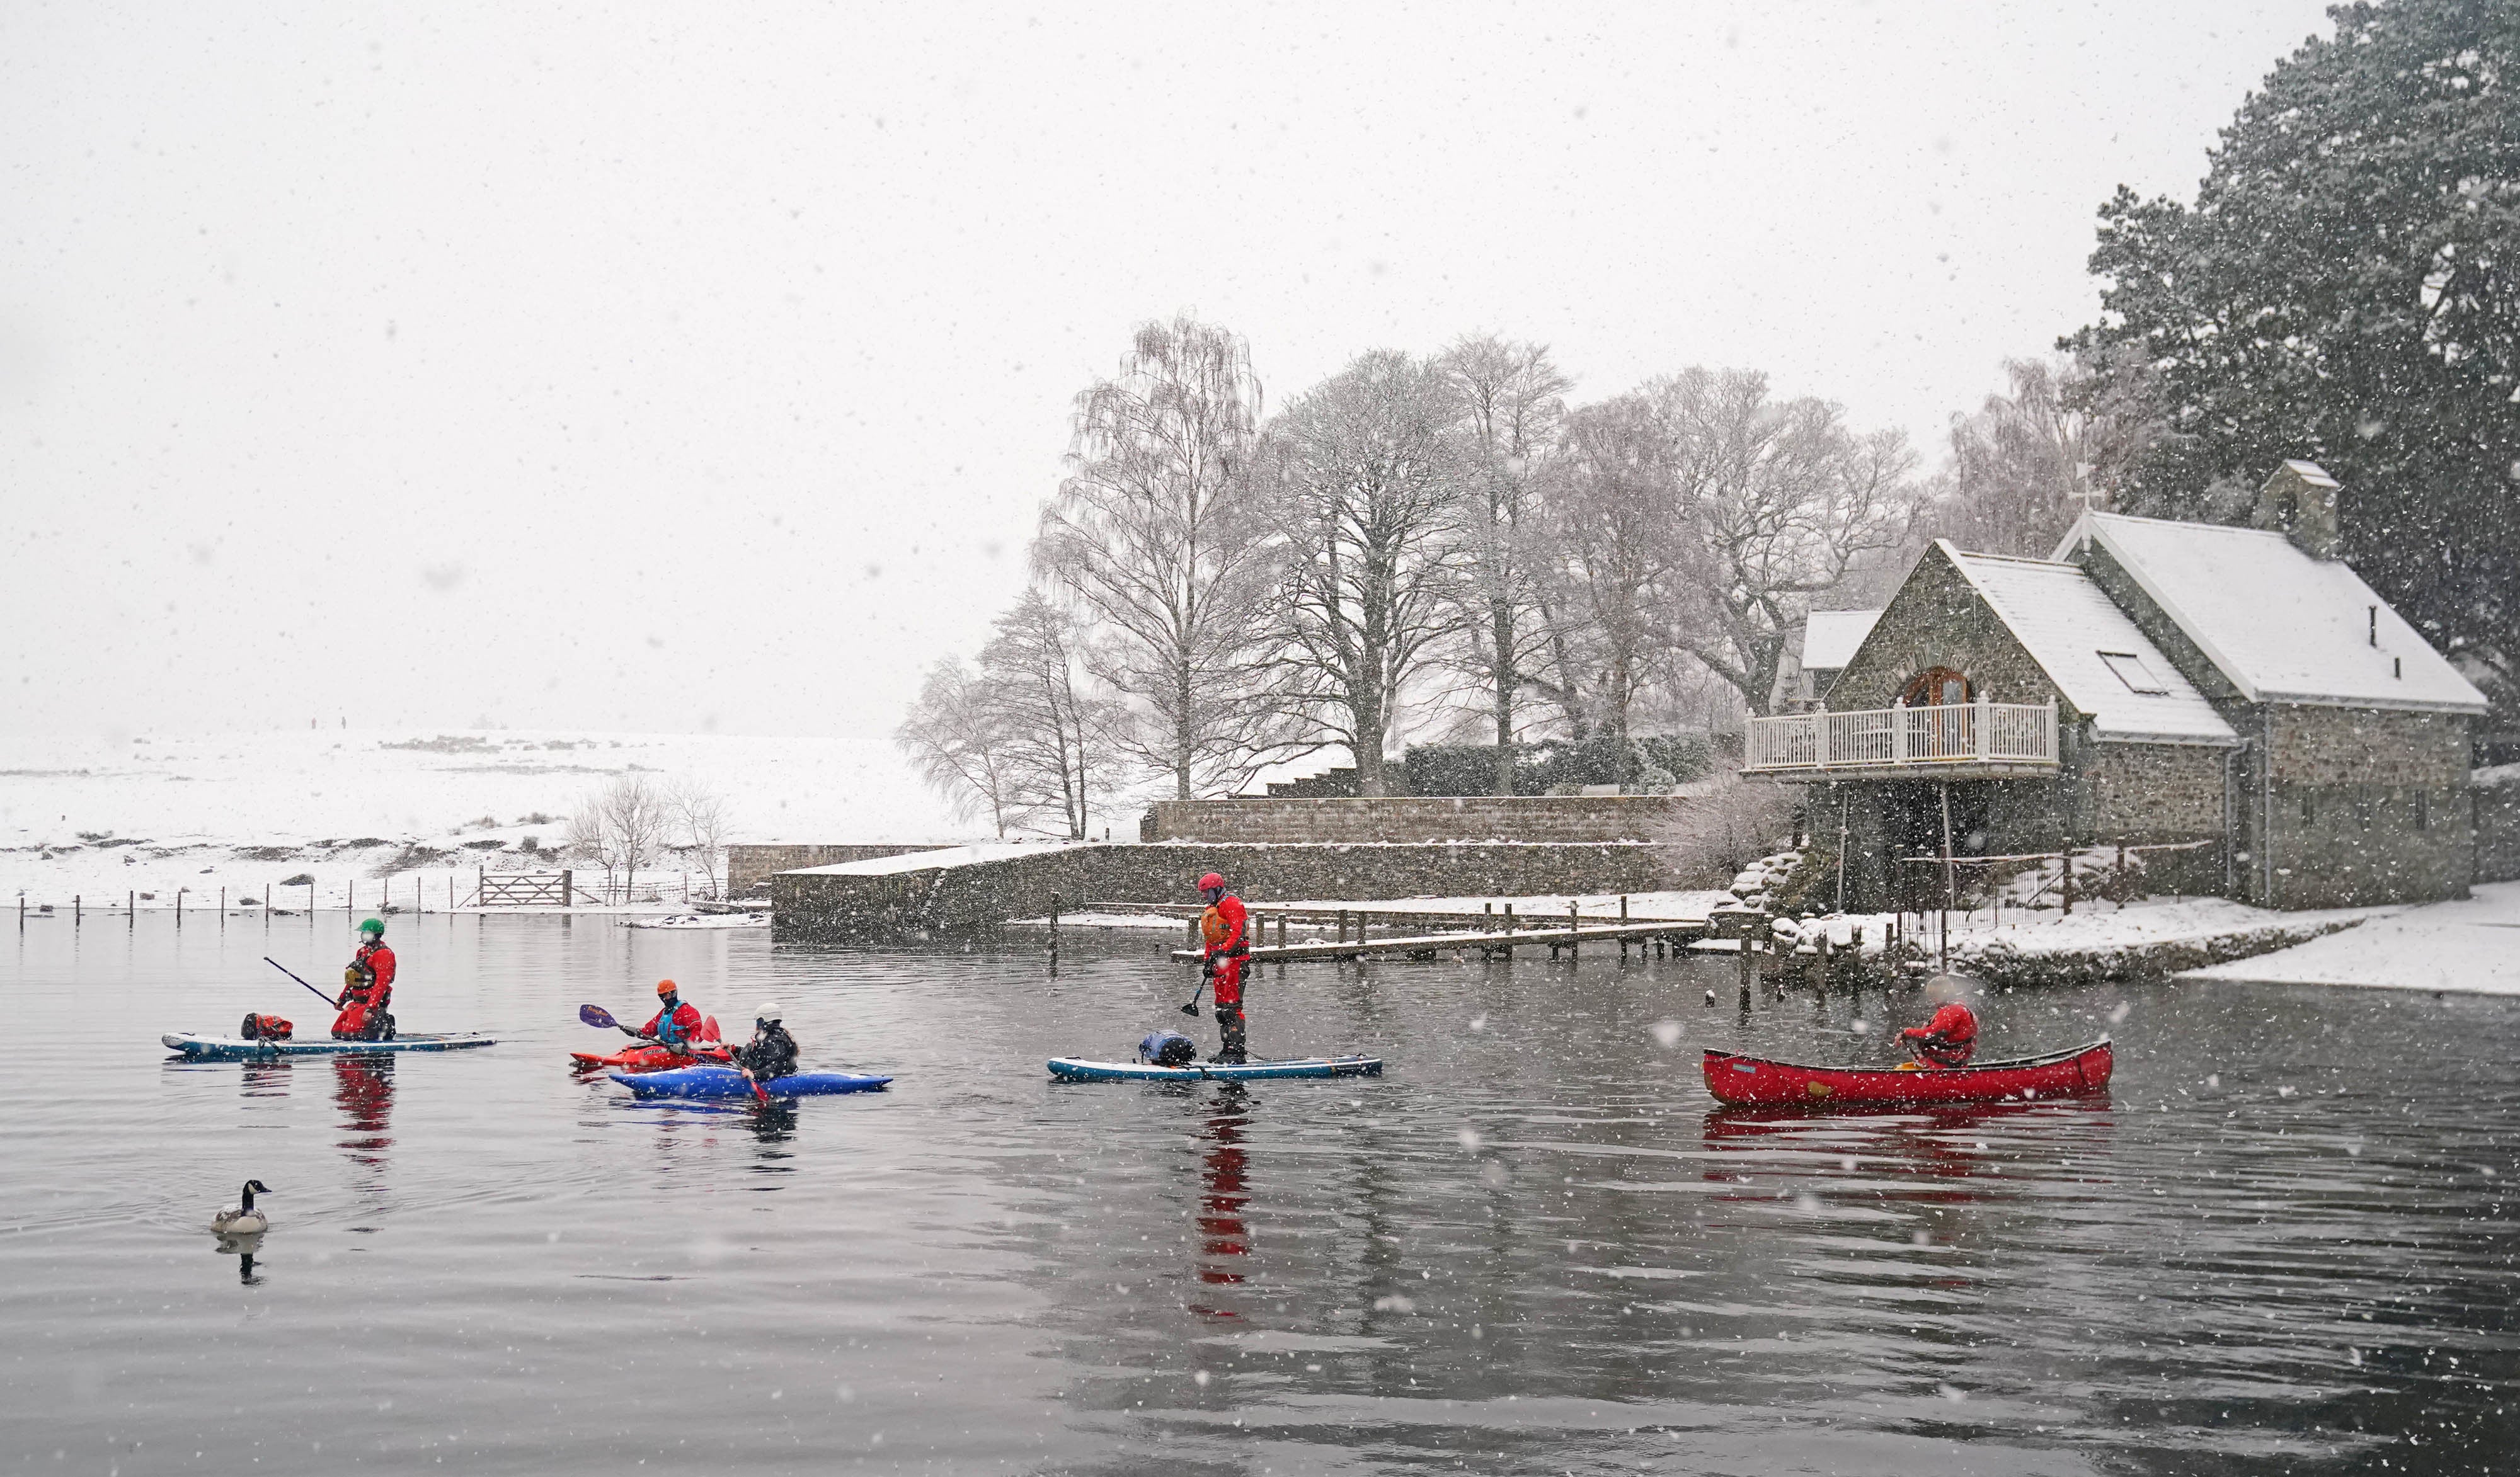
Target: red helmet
[(1210, 880)]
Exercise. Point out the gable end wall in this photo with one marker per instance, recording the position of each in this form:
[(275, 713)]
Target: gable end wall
[(1939, 619)]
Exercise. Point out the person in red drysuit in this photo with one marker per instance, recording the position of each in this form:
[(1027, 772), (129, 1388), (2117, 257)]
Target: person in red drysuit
[(1949, 1040), (676, 1024), (367, 988), (1225, 928)]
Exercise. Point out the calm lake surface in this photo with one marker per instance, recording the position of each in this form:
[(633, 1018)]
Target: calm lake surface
[(2284, 1245)]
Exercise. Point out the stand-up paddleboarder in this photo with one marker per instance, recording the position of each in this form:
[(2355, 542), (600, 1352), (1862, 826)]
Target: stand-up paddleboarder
[(1225, 929)]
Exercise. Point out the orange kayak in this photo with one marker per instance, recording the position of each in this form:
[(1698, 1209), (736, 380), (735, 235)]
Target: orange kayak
[(2075, 1072), (648, 1059)]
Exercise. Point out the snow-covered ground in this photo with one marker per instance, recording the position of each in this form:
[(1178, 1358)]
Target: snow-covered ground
[(2470, 945), (372, 814)]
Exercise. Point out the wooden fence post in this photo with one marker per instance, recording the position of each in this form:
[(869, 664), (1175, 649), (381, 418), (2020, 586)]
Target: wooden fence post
[(2067, 859)]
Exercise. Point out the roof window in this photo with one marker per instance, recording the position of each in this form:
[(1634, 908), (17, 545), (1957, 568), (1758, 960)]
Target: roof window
[(2134, 673)]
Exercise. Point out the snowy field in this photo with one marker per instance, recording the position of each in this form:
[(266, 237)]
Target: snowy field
[(2472, 945), (362, 811)]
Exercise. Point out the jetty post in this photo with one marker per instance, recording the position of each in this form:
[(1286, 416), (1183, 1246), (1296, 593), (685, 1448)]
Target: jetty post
[(1054, 935)]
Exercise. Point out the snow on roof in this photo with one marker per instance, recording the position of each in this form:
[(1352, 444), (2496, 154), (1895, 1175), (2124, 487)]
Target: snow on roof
[(2082, 639), (2282, 626), (1831, 637)]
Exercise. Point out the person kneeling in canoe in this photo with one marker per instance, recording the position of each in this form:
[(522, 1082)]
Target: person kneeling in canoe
[(1950, 1039), (676, 1024), (771, 1053), (367, 988)]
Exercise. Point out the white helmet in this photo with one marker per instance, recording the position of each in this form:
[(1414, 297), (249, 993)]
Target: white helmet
[(768, 1010)]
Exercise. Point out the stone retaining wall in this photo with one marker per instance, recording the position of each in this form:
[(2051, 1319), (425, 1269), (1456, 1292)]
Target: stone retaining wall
[(2497, 831), (747, 866), (1403, 818), (827, 908)]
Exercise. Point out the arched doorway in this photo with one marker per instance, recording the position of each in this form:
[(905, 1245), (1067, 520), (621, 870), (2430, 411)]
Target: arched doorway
[(1937, 687)]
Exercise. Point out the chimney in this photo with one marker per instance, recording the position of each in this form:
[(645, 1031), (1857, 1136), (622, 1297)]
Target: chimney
[(2299, 502)]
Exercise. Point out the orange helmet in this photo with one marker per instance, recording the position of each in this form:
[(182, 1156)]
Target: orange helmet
[(665, 987)]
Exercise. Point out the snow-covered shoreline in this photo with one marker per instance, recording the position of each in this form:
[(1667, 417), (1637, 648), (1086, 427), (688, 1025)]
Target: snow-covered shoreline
[(375, 817)]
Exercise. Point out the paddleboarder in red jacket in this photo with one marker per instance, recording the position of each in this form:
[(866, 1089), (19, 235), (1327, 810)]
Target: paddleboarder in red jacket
[(1225, 928), (367, 988)]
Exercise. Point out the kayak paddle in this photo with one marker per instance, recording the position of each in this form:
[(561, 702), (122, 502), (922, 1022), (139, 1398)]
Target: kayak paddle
[(319, 994), (602, 1019)]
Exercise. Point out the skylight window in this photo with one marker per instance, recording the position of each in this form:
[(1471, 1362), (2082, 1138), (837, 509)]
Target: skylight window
[(2132, 671)]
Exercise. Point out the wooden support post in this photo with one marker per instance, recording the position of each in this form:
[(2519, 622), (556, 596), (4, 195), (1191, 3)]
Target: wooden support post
[(1623, 923), (179, 907), (1574, 933), (223, 910), (1343, 926), (352, 905), (2066, 859), (1053, 930), (568, 887), (131, 910), (79, 911)]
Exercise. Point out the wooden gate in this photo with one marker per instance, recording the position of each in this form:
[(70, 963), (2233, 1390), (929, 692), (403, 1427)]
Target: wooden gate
[(524, 889)]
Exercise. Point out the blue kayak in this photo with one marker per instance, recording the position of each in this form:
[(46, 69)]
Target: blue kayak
[(1077, 1070), (727, 1082), (237, 1048)]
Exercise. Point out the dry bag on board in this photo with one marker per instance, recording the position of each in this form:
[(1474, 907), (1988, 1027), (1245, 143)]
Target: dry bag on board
[(1168, 1048)]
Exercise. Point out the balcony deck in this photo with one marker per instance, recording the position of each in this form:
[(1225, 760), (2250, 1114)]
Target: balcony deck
[(1989, 740)]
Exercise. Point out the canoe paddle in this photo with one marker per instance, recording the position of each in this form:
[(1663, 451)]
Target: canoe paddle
[(319, 994), (602, 1019)]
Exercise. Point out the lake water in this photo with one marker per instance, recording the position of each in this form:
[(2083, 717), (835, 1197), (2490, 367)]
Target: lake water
[(2285, 1243)]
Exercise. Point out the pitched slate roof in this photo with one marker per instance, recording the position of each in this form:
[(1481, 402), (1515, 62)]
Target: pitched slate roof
[(2065, 621), (1831, 637), (2282, 626)]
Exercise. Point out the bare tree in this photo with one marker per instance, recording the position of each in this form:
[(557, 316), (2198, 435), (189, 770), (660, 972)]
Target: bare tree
[(1611, 497), (1776, 502), (2030, 460), (624, 827), (1155, 534), (1366, 471), (584, 837), (1059, 745), (957, 735), (701, 820), (1509, 397), (1713, 835)]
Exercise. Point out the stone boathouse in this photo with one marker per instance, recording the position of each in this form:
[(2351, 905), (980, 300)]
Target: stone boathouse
[(2152, 683)]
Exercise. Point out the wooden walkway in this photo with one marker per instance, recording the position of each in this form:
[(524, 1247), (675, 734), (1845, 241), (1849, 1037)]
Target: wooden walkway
[(1488, 941)]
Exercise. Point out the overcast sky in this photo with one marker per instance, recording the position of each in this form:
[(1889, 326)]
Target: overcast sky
[(443, 365)]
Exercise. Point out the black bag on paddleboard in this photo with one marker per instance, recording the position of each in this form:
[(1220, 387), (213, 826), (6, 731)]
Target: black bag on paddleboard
[(259, 1027), (1168, 1048)]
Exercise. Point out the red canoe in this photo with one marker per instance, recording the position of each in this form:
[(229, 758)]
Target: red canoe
[(2075, 1072)]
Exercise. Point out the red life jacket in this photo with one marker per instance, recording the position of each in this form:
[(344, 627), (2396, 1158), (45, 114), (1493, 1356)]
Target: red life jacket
[(1949, 1040)]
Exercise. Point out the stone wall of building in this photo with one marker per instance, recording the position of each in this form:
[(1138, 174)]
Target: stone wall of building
[(2498, 829), (845, 908), (2368, 806), (1460, 818), (1937, 619), (746, 866), (2147, 792)]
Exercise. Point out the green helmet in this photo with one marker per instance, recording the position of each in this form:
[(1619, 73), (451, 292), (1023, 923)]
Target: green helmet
[(375, 926)]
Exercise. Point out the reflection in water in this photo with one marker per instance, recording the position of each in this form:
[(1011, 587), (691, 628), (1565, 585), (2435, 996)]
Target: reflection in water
[(363, 1087), (1224, 1236), (242, 1249), (267, 1077)]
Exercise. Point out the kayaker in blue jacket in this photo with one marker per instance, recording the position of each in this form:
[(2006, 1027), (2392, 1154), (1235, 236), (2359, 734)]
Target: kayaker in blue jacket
[(676, 1024)]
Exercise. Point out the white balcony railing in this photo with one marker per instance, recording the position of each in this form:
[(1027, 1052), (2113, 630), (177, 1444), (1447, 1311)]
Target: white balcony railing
[(1959, 732)]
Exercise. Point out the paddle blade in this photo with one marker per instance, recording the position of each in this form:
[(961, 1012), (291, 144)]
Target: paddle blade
[(597, 1017), (1191, 1009)]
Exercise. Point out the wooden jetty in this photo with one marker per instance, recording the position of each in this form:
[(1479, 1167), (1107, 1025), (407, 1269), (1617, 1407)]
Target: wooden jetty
[(1488, 941)]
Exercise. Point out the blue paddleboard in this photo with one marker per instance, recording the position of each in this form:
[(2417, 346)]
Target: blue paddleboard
[(1077, 1070)]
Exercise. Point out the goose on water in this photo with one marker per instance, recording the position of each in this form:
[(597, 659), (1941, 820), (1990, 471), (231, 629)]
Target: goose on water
[(244, 1220)]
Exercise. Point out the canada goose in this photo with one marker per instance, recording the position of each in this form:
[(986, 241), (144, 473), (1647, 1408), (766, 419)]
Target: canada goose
[(245, 1220)]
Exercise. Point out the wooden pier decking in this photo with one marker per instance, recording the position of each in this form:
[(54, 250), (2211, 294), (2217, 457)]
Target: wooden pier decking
[(1490, 941)]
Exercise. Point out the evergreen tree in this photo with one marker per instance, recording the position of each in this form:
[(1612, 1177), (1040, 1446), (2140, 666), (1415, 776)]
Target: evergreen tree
[(2347, 289)]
